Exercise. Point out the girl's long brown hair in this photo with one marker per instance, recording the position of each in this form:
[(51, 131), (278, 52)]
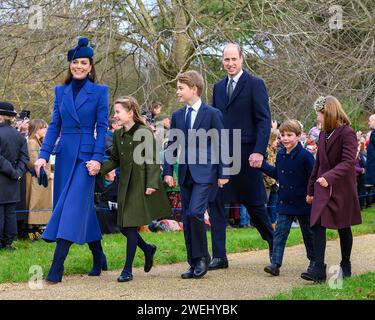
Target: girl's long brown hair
[(130, 104), (34, 126), (334, 114)]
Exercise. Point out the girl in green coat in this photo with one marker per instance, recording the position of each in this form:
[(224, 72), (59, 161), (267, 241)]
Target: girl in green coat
[(141, 196)]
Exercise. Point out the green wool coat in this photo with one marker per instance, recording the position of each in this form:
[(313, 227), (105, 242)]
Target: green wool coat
[(134, 207)]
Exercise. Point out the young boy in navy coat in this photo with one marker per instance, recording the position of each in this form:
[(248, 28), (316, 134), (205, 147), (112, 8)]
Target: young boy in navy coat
[(292, 170), (197, 172)]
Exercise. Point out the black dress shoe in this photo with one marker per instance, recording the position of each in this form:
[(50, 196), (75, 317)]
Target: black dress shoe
[(149, 258), (125, 277), (189, 274), (200, 268), (218, 263), (272, 269)]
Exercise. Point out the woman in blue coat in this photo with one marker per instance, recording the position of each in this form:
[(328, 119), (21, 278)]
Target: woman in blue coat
[(80, 108)]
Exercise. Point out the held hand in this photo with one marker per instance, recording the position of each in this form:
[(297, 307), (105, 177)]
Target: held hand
[(93, 167), (38, 164), (309, 199), (222, 182), (323, 182), (169, 181), (150, 191), (256, 160)]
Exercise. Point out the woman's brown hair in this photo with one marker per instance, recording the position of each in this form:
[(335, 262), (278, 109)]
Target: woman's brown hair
[(34, 126), (91, 76), (129, 103), (334, 114)]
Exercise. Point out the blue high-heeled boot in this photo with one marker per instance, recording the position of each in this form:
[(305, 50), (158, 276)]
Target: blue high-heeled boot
[(99, 258), (57, 268)]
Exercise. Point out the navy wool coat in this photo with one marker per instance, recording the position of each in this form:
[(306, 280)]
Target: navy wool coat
[(247, 110), (13, 163), (336, 206), (293, 172), (73, 217), (370, 164)]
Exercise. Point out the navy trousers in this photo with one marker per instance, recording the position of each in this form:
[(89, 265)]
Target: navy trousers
[(258, 216), (8, 224), (194, 199), (283, 226)]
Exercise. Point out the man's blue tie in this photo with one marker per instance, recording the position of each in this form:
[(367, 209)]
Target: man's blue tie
[(188, 119)]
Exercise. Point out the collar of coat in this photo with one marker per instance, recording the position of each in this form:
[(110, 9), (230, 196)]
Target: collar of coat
[(131, 130), (294, 152)]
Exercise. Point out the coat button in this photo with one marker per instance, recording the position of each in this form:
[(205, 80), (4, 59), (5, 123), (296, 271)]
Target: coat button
[(291, 187), (122, 142), (290, 171), (282, 186), (281, 202), (122, 153), (130, 143), (282, 171)]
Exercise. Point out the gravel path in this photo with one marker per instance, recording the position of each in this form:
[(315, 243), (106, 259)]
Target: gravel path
[(244, 279)]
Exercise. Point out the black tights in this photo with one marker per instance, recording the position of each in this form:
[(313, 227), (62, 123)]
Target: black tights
[(134, 239), (346, 243)]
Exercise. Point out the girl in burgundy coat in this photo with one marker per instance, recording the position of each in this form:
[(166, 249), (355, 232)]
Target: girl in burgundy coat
[(332, 187)]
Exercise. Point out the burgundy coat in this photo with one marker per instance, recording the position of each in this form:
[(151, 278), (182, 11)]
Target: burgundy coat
[(337, 206)]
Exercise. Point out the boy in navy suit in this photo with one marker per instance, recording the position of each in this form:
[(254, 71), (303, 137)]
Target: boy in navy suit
[(198, 171), (292, 170)]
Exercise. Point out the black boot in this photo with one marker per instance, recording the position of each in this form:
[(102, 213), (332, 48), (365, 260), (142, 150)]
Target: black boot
[(57, 268), (346, 268), (316, 273), (99, 258)]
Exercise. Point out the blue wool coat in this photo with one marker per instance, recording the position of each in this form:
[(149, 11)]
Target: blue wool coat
[(247, 110), (370, 164), (73, 216), (293, 172)]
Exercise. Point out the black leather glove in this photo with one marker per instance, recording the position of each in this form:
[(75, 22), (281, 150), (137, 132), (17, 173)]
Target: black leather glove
[(43, 179)]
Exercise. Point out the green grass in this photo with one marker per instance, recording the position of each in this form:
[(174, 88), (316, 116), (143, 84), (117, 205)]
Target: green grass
[(14, 265), (360, 287)]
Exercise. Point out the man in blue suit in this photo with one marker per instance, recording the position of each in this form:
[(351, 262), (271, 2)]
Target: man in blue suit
[(199, 165), (243, 100)]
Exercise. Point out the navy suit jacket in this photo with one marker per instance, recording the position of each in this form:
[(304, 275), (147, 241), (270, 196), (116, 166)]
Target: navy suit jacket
[(207, 118), (247, 110)]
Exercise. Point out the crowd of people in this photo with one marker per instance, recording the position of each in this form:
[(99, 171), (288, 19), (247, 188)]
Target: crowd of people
[(52, 175)]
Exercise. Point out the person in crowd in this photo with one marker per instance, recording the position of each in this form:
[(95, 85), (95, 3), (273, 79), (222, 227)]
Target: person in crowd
[(315, 131), (112, 127), (332, 189), (150, 114), (196, 179), (38, 197), (237, 95), (292, 170), (141, 196), (106, 189), (370, 162), (360, 165), (270, 183), (80, 109), (13, 163)]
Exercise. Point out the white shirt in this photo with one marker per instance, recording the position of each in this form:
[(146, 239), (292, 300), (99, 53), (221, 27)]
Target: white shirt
[(194, 113), (235, 80)]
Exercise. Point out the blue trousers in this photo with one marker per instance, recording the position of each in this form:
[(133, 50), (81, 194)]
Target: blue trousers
[(194, 200), (8, 224), (283, 226)]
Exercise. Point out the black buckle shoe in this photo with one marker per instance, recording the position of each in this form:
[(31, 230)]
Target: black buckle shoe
[(189, 274), (200, 268), (218, 263), (125, 277), (272, 269), (149, 258)]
